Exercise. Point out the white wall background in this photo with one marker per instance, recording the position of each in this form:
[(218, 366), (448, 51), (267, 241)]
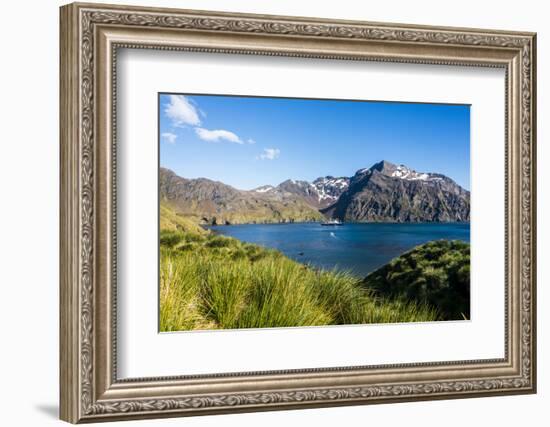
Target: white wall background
[(29, 170)]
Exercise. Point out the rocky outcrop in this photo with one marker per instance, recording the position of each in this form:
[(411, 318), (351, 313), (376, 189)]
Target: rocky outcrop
[(320, 193)]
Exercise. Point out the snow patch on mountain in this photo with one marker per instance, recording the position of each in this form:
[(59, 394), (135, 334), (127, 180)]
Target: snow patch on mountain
[(403, 172), (264, 189), (329, 188)]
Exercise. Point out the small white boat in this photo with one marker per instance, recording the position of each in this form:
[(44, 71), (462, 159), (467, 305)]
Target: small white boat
[(332, 222)]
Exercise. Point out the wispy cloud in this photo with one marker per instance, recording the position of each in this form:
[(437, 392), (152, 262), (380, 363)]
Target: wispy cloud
[(181, 111), (169, 137), (270, 154), (217, 135), (184, 111)]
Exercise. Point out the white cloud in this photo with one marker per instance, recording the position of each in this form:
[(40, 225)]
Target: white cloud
[(217, 135), (182, 111), (169, 137), (270, 154), (251, 141)]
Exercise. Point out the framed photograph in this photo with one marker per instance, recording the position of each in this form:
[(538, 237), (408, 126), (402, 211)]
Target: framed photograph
[(265, 212)]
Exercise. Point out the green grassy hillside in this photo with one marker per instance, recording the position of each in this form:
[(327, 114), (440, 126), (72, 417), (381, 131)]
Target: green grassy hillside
[(171, 221), (214, 282), (255, 211), (208, 281), (436, 273)]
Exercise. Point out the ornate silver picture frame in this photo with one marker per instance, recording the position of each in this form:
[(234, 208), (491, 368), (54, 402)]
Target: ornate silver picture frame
[(91, 35)]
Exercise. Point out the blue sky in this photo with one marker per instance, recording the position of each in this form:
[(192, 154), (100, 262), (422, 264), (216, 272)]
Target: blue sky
[(247, 142)]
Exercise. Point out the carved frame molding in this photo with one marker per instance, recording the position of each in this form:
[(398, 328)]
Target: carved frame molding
[(90, 36)]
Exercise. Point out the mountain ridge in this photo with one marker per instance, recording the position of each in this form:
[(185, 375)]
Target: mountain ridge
[(213, 202), (385, 192)]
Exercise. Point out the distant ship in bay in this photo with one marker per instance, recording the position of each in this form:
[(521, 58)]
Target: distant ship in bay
[(332, 222)]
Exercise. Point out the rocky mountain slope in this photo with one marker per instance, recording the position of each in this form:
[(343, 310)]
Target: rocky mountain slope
[(320, 193), (212, 202), (383, 192), (386, 192)]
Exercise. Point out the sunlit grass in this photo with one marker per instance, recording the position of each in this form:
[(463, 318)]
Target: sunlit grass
[(216, 282)]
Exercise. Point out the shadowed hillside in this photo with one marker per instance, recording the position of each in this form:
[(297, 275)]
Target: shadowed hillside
[(389, 193), (436, 273)]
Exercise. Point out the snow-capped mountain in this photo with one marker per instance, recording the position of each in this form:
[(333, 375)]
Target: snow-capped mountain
[(383, 192), (387, 192), (404, 172), (322, 192)]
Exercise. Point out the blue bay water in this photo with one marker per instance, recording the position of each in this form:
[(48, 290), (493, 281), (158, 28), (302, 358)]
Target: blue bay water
[(359, 248)]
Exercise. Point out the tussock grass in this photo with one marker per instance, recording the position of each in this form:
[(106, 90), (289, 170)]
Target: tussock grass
[(216, 282), (179, 297), (436, 273)]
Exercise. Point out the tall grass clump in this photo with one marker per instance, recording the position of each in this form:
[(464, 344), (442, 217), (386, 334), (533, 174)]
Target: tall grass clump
[(170, 238), (217, 282), (179, 298), (339, 294), (224, 289), (281, 295)]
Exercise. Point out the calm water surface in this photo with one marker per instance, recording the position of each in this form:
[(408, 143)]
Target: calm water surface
[(360, 248)]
